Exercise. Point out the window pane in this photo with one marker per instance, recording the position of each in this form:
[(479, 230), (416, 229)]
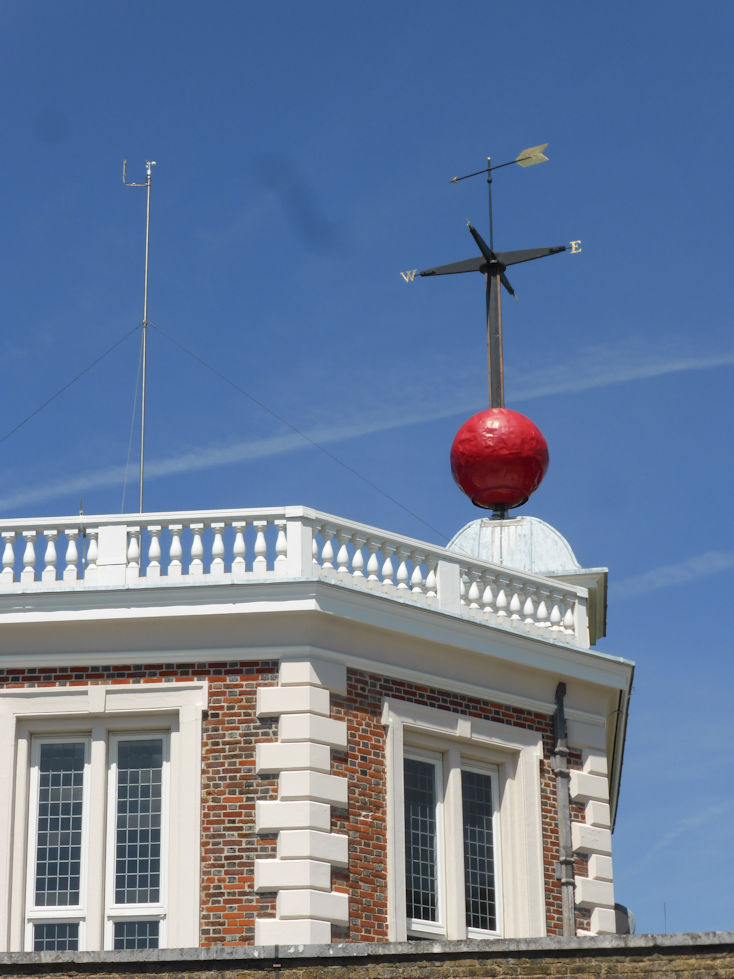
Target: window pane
[(476, 796), (59, 825), (420, 840), (60, 936), (138, 821), (136, 934)]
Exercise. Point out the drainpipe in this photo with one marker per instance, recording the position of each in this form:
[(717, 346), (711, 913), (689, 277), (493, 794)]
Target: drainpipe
[(559, 763)]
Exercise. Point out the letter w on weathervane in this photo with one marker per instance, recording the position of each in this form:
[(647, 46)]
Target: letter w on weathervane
[(409, 275)]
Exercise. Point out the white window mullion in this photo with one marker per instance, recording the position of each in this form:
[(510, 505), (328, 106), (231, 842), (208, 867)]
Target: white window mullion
[(454, 845), (22, 830), (96, 850)]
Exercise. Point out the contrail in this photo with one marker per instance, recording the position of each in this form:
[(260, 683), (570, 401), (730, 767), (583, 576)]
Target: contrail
[(596, 367)]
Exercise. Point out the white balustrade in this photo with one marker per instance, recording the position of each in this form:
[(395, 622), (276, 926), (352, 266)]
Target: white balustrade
[(260, 565), (8, 572), (90, 570), (153, 569), (50, 558), (237, 546), (217, 566), (281, 548), (71, 572), (342, 557), (133, 554), (196, 565), (175, 552)]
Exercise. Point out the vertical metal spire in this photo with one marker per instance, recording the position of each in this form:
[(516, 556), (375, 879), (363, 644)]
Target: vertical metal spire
[(149, 164)]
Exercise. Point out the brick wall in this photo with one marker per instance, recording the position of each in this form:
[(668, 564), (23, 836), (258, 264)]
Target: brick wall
[(365, 823), (231, 787)]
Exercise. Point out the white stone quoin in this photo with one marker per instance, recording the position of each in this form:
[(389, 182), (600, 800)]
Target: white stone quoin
[(306, 906)]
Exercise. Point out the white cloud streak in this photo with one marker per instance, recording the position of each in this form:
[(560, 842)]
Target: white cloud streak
[(596, 367), (667, 575), (602, 366)]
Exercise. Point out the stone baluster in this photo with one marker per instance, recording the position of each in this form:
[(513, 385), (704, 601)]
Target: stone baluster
[(402, 575), (500, 603), (90, 571), (154, 552), (528, 611), (416, 579), (556, 618), (315, 550), (387, 565), (542, 613), (327, 551), (175, 552), (49, 558), (260, 564), (462, 588), (281, 548), (488, 598), (569, 621), (431, 584), (473, 595), (239, 566), (28, 574), (71, 558), (216, 568), (373, 563), (357, 556), (8, 572), (196, 566), (342, 557), (515, 603), (132, 572)]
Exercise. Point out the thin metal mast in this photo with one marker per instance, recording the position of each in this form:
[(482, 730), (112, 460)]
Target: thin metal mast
[(149, 164), (495, 360)]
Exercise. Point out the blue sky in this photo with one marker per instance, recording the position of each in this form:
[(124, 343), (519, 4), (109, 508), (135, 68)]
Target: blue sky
[(304, 153)]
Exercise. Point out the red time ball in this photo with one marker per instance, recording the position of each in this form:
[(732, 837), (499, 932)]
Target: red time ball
[(499, 458)]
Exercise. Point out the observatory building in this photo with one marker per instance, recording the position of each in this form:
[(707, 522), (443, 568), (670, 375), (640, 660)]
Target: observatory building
[(259, 727)]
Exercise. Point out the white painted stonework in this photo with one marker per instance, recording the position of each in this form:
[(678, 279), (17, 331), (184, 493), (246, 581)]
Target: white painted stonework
[(301, 875)]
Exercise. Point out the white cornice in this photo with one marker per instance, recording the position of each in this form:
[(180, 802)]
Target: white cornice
[(350, 606)]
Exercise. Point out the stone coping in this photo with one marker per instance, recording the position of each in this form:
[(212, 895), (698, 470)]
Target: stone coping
[(275, 954)]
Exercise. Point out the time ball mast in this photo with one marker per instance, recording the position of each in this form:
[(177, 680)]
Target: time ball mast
[(498, 457)]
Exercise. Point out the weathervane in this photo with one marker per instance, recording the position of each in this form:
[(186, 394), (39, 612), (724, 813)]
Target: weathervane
[(149, 164), (499, 456)]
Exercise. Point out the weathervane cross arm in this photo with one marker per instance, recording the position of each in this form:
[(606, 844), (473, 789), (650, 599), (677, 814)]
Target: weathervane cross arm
[(528, 254), (477, 264)]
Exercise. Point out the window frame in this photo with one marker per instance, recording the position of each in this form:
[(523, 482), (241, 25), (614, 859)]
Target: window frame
[(492, 772), (515, 754), (451, 872), (54, 914), (151, 911), (97, 711), (423, 926)]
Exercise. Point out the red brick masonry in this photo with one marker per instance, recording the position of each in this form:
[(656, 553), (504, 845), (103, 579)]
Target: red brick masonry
[(231, 787)]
